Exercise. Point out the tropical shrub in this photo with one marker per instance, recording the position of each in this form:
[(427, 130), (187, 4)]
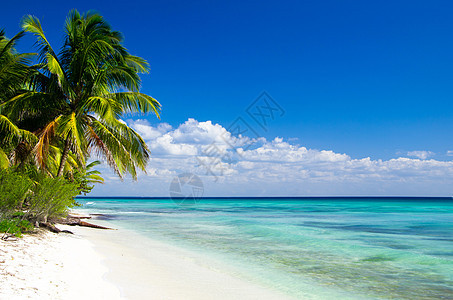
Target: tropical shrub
[(14, 188), (33, 196), (15, 226), (51, 198)]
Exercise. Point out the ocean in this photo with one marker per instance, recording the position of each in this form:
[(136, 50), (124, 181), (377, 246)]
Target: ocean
[(311, 248)]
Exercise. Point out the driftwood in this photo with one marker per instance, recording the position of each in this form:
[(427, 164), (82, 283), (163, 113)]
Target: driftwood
[(86, 224), (77, 216), (8, 237), (69, 221), (52, 228), (76, 220)]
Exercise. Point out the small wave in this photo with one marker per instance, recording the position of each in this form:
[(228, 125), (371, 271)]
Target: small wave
[(131, 213)]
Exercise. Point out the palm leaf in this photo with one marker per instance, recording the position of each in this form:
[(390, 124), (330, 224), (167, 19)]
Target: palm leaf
[(71, 127), (8, 129), (4, 161), (137, 102), (45, 138)]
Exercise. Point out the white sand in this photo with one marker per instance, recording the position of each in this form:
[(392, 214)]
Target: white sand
[(51, 266), (110, 264)]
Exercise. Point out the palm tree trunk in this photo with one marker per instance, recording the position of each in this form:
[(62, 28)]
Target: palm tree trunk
[(64, 156)]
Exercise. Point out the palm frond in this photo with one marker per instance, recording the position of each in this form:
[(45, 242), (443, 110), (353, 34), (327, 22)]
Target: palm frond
[(9, 45), (33, 25), (139, 64), (105, 107), (45, 138), (119, 147), (8, 129), (4, 160), (96, 144), (71, 127), (137, 102), (92, 75)]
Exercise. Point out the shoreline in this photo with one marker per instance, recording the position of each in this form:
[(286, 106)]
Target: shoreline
[(111, 264)]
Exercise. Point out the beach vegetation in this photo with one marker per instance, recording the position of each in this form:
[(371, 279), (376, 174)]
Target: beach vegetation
[(15, 226), (87, 177), (33, 197), (58, 109), (14, 188), (51, 198)]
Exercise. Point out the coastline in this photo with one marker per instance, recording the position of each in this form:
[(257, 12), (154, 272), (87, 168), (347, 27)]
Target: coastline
[(112, 264)]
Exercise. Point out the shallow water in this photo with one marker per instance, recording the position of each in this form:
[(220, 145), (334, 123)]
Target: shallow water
[(311, 248)]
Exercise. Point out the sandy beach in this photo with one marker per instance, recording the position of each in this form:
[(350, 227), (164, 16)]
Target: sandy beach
[(50, 266), (113, 264)]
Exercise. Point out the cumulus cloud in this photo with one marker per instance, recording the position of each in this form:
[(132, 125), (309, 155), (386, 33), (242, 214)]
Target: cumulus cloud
[(246, 166), (148, 132), (420, 154), (450, 153)]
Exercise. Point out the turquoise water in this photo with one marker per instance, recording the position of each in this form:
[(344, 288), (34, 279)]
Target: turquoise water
[(310, 248)]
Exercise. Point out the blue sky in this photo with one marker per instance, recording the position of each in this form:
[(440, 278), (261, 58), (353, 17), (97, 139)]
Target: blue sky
[(359, 78)]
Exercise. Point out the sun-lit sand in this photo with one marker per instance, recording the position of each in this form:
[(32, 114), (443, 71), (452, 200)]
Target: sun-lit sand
[(113, 264), (51, 266)]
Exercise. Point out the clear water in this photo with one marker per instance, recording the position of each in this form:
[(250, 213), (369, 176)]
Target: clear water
[(310, 248)]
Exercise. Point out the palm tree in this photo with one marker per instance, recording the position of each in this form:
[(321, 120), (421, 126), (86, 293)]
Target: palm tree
[(13, 66), (86, 177), (14, 71), (81, 93)]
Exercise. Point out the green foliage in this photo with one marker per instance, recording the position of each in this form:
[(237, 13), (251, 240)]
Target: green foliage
[(86, 178), (33, 196), (13, 66), (57, 113), (80, 94), (51, 198), (15, 226), (14, 71), (14, 188), (70, 103)]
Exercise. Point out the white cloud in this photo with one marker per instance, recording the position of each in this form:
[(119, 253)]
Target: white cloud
[(166, 145), (420, 154), (276, 167), (450, 153), (147, 131), (203, 133)]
